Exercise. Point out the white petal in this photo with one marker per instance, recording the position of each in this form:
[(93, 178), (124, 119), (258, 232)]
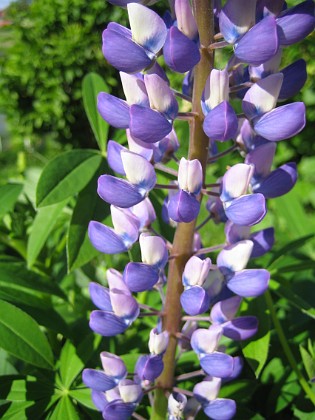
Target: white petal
[(235, 257)]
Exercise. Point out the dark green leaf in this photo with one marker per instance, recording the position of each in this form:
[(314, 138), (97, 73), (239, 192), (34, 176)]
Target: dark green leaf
[(88, 207), (22, 337), (292, 298), (92, 85), (8, 195), (17, 276), (66, 175), (238, 390), (16, 410), (308, 362), (256, 348), (29, 388), (43, 224)]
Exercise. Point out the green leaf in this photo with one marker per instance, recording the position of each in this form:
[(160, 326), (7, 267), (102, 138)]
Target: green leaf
[(16, 410), (92, 85), (308, 362), (70, 364), (9, 194), (256, 349), (43, 224), (66, 175), (83, 396), (64, 410), (238, 390), (22, 337), (17, 276), (88, 207), (292, 298), (291, 246)]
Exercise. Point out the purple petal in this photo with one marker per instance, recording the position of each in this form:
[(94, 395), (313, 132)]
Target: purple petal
[(217, 364), (221, 122), (281, 123), (195, 300), (279, 182), (116, 41), (249, 283), (236, 17), (263, 241), (221, 409), (106, 323), (149, 367), (113, 366), (294, 78), (148, 29), (114, 110), (148, 125), (183, 207), (118, 410), (99, 400), (225, 310), (118, 192), (105, 240), (114, 156), (262, 158), (259, 44), (140, 277), (100, 296), (296, 23), (247, 210), (181, 54), (97, 380), (241, 328)]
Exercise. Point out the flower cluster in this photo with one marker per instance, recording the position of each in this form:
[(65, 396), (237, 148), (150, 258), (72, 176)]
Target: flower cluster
[(258, 32)]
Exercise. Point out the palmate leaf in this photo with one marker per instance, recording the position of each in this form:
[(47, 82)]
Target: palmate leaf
[(66, 175), (64, 410), (70, 364), (308, 362), (21, 336), (92, 85)]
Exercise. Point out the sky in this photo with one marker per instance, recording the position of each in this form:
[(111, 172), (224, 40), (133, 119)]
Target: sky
[(5, 3)]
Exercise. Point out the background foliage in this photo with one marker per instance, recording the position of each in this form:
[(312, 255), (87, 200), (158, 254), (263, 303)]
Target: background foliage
[(50, 164)]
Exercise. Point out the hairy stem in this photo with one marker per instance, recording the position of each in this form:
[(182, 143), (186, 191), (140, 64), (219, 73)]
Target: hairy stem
[(183, 239)]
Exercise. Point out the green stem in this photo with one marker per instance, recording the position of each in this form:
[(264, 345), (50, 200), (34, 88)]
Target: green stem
[(182, 248), (286, 348)]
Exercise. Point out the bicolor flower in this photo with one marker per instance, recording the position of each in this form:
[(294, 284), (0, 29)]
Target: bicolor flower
[(237, 24), (240, 328), (270, 183), (232, 261), (143, 276), (181, 50), (139, 182), (272, 123), (206, 393), (118, 239), (263, 240), (118, 308), (114, 370), (195, 299), (184, 206), (221, 121), (241, 208), (132, 50)]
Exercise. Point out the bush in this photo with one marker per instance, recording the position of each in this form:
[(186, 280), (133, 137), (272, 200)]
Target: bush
[(50, 46)]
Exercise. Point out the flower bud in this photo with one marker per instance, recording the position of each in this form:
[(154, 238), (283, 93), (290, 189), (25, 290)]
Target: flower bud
[(196, 271), (190, 175), (153, 250), (158, 341), (176, 405)]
